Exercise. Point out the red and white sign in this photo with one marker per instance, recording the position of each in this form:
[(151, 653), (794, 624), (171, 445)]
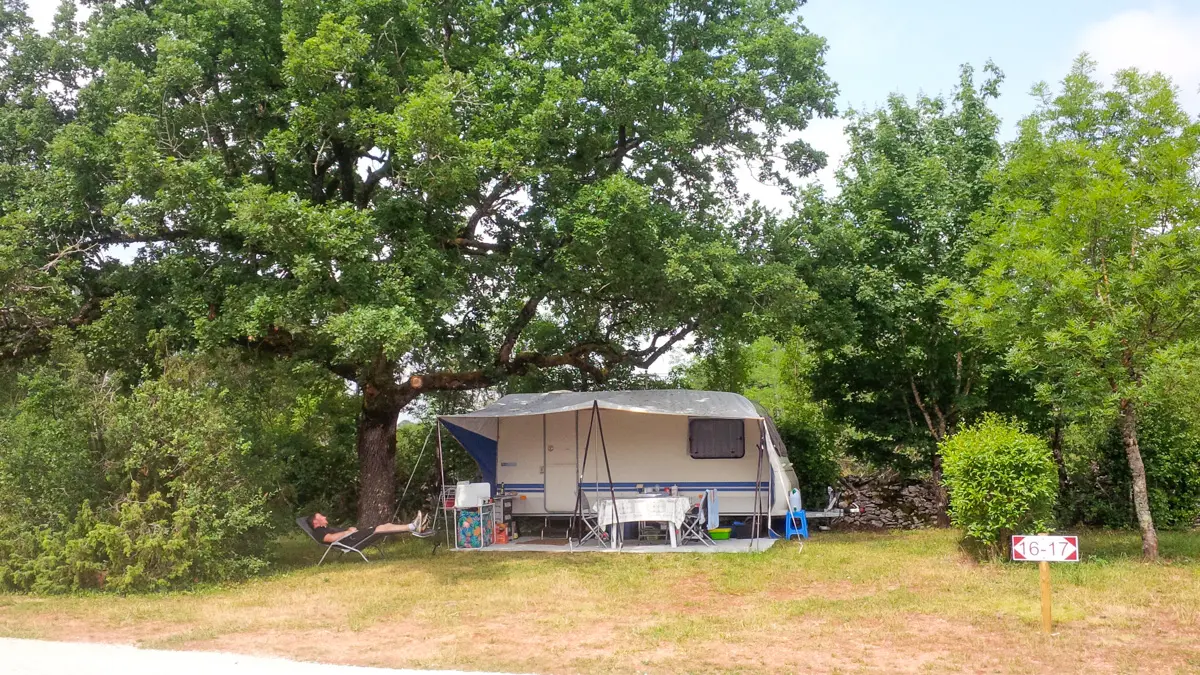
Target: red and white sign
[(1037, 548)]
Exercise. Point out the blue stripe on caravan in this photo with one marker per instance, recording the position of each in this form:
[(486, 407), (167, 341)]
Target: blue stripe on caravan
[(728, 486), (645, 482), (748, 483)]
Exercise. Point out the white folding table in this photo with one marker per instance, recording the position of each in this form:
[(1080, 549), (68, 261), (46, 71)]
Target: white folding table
[(666, 509)]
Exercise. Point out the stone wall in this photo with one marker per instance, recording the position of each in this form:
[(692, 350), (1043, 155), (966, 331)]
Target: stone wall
[(887, 502)]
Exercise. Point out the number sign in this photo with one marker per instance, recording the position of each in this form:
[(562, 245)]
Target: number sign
[(1039, 548)]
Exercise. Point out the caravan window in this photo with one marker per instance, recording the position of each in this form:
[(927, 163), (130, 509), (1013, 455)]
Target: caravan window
[(716, 439)]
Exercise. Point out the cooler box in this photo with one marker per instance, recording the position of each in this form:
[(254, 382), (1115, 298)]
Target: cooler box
[(472, 494)]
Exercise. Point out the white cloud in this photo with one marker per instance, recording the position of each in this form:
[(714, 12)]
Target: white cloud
[(1162, 39)]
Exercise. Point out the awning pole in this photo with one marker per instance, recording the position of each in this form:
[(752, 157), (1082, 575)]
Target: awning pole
[(757, 521), (612, 491), (421, 456), (579, 484), (442, 472)]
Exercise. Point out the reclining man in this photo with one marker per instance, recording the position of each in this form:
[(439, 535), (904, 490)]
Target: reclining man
[(352, 536)]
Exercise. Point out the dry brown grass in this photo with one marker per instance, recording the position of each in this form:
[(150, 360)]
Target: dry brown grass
[(904, 602)]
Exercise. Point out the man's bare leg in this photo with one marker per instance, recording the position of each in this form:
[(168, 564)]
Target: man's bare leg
[(419, 523)]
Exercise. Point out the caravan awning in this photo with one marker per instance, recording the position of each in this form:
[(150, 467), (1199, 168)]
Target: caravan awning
[(650, 401), (478, 431)]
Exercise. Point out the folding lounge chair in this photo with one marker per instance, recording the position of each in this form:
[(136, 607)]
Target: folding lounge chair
[(695, 523), (340, 545)]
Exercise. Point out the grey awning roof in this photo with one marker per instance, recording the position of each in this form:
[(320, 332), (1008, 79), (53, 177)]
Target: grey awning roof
[(650, 401)]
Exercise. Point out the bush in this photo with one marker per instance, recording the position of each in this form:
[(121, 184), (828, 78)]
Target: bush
[(175, 493), (51, 441), (1001, 481)]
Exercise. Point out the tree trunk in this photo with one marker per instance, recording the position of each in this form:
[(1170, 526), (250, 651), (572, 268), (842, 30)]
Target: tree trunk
[(376, 463), (939, 492), (1141, 498), (1064, 481)]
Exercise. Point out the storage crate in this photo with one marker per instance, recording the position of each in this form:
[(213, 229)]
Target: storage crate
[(476, 527)]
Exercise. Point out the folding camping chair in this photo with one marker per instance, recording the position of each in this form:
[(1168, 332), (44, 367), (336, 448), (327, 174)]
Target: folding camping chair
[(590, 522), (372, 540), (695, 523)]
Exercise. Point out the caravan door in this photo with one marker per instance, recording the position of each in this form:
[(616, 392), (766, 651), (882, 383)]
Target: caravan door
[(562, 462)]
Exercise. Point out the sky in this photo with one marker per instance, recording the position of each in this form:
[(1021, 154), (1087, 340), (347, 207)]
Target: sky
[(909, 47), (880, 47)]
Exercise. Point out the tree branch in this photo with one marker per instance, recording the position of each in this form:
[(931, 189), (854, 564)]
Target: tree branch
[(85, 245), (486, 206), (372, 181), (475, 247), (624, 147), (652, 354), (921, 406), (514, 331)]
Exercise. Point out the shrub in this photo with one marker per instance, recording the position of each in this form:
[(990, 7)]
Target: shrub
[(179, 493), (51, 441), (196, 497), (1001, 479)]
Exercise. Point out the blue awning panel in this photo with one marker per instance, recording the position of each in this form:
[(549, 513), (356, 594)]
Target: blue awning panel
[(481, 448)]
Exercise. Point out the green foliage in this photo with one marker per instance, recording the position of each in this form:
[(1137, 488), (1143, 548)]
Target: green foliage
[(468, 191), (1169, 437), (364, 182), (187, 477), (1086, 271), (1089, 250), (881, 256), (1002, 480), (52, 429), (777, 377)]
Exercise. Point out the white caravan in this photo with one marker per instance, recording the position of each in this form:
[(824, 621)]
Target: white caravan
[(534, 445)]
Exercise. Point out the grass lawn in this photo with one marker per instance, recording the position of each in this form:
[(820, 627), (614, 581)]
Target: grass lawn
[(846, 603)]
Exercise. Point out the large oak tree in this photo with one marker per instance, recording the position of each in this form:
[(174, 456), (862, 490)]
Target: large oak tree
[(420, 196)]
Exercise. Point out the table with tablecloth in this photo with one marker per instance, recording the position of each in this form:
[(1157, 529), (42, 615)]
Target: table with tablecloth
[(664, 509)]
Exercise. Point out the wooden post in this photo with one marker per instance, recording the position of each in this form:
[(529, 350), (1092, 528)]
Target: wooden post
[(1044, 569)]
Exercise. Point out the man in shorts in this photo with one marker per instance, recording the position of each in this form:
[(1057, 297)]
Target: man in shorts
[(352, 536)]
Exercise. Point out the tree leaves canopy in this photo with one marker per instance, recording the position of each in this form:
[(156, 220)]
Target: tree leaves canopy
[(469, 189), (1090, 263), (881, 256)]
